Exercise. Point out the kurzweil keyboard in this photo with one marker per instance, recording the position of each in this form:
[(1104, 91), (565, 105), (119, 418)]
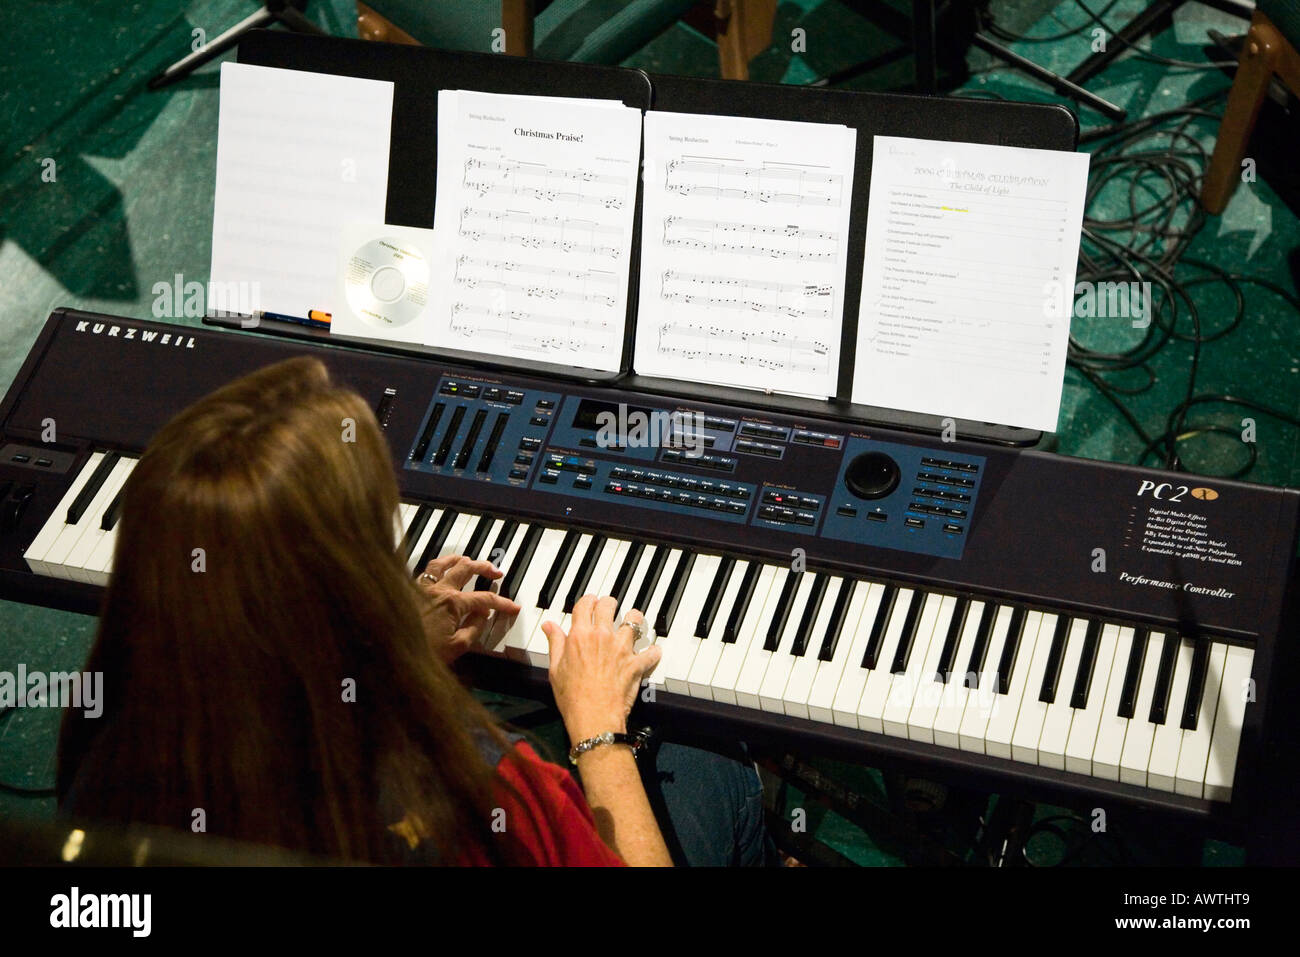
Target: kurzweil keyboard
[(1022, 619)]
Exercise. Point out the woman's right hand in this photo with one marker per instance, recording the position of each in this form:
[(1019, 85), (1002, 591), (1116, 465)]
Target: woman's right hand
[(594, 672)]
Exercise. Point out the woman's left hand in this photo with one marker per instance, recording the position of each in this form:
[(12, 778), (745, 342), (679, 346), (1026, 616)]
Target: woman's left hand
[(456, 620)]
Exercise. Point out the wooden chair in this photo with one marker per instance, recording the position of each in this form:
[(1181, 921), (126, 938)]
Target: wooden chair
[(1269, 50)]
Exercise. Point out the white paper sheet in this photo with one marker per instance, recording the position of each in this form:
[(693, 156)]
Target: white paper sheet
[(534, 211), (744, 241), (298, 155), (968, 280)]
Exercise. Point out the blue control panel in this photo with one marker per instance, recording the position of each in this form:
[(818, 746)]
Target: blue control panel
[(929, 511)]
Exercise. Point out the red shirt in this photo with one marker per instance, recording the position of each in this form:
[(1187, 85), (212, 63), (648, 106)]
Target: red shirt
[(549, 817)]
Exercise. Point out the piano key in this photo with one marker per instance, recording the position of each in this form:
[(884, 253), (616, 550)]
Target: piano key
[(1011, 648), (871, 709), (1229, 719), (930, 684), (906, 639), (835, 625), (1112, 725), (40, 545), (681, 643), (956, 625), (671, 558), (739, 607), (460, 532), (1029, 721), (1164, 682), (586, 566), (113, 513), (981, 698), (494, 641), (883, 613), (1087, 718), (799, 688), (1055, 659), (538, 649), (1193, 755), (1087, 662), (1196, 684), (496, 554), (667, 610), (480, 536), (415, 531), (808, 617), (907, 683), (821, 698), (63, 555), (623, 581), (1001, 729), (76, 562), (650, 580), (946, 729), (527, 589), (782, 661), (601, 575), (1141, 731), (1133, 671), (700, 679), (479, 549), (441, 531), (1163, 766), (781, 613), (522, 561), (92, 487), (1056, 723), (980, 650), (750, 681), (713, 598), (559, 565), (727, 675), (629, 598)]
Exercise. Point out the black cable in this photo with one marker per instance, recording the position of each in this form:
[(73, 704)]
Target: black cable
[(1147, 54)]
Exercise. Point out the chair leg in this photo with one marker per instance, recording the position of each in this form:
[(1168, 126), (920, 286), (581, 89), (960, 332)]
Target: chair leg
[(1259, 57), (744, 30)]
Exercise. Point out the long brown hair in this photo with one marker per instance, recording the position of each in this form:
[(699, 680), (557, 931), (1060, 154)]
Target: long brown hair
[(263, 655)]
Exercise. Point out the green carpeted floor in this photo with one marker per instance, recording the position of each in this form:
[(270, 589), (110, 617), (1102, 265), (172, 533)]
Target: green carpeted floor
[(129, 205)]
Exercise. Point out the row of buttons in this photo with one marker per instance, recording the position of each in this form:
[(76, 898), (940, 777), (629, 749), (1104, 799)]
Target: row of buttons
[(943, 464), (765, 431), (950, 527), (947, 479), (571, 464), (22, 458), (938, 510), (851, 511), (716, 463), (680, 481), (760, 448), (791, 500), (778, 513), (941, 493), (676, 498), (823, 439), (466, 390)]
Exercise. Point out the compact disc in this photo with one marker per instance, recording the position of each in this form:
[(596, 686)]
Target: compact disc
[(387, 282)]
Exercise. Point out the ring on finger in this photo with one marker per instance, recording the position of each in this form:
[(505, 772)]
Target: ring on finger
[(429, 577), (638, 629)]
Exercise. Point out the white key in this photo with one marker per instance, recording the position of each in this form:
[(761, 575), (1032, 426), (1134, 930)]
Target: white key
[(599, 573), (521, 630), (1111, 727), (1140, 733), (657, 596), (844, 706), (539, 646), (54, 525), (821, 698), (79, 558), (1056, 723), (680, 644), (401, 520), (1029, 722), (1163, 767), (799, 686), (698, 681), (1002, 721), (904, 688), (634, 589), (422, 542), (484, 550), (952, 704), (65, 545), (722, 686), (757, 657), (929, 689), (458, 535), (875, 693), (1195, 751), (980, 701), (782, 661), (1083, 728), (1228, 720), (494, 642)]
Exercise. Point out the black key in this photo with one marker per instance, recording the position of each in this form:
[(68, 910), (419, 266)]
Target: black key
[(494, 439), (673, 596), (436, 540), (92, 487), (1164, 680), (1196, 684), (878, 626), (498, 553), (626, 571), (1137, 654), (651, 580), (839, 612), (782, 613), (1087, 665), (979, 651), (476, 426), (741, 606), (1054, 660), (1010, 649), (562, 558), (523, 558), (948, 656), (478, 536), (810, 611), (585, 570), (422, 516), (422, 447), (114, 512), (444, 449), (908, 636), (710, 609)]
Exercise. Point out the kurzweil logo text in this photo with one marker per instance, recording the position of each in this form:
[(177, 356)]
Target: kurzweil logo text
[(173, 339)]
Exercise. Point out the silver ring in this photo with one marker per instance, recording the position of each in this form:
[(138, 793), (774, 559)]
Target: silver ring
[(638, 629), (431, 579)]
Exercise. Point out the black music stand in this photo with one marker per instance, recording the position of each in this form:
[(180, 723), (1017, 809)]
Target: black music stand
[(288, 12)]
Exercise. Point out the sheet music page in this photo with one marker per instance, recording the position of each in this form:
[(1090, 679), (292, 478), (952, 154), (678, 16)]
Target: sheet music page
[(298, 155), (535, 203), (744, 242), (968, 281)]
